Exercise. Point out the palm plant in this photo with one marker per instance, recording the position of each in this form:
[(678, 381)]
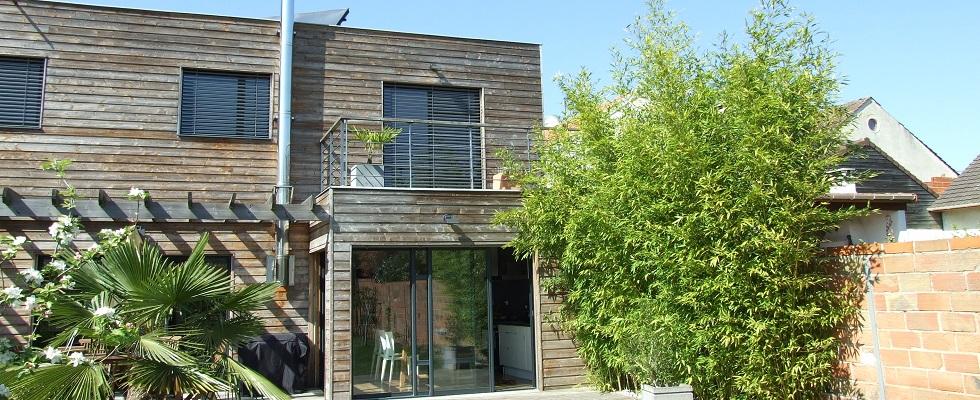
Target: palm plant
[(158, 330), (374, 140)]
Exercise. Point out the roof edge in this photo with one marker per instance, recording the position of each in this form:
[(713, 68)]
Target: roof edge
[(272, 22), (940, 158), (958, 206), (155, 11)]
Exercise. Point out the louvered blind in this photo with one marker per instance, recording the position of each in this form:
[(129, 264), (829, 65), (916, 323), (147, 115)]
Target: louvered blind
[(433, 155), (224, 104), (21, 90)]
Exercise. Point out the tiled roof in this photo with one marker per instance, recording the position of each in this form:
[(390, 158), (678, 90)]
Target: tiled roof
[(853, 105), (963, 192)]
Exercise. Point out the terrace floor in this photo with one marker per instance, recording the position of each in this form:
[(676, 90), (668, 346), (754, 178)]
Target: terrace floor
[(568, 394)]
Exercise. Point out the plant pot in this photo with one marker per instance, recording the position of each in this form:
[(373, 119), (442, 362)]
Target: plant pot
[(680, 392), (367, 175)]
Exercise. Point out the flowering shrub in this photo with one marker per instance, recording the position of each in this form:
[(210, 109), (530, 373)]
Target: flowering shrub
[(120, 302)]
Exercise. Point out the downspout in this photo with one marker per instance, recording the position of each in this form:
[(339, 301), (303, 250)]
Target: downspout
[(283, 189)]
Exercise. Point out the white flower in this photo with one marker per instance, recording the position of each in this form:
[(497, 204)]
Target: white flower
[(19, 241), (33, 276), (13, 292), (76, 359), (137, 193), (64, 230), (30, 302), (104, 311), (67, 282), (4, 391), (94, 247), (58, 265), (53, 354)]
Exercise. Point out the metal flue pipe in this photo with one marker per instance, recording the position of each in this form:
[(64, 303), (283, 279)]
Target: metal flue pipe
[(283, 189)]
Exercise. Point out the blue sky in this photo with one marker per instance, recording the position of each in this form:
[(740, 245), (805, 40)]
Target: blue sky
[(920, 60)]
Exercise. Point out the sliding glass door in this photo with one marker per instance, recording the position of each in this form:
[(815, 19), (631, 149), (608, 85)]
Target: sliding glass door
[(421, 322), (460, 321)]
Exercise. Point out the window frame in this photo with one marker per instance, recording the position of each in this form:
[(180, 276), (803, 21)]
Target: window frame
[(481, 97), (44, 91), (172, 257), (272, 103)]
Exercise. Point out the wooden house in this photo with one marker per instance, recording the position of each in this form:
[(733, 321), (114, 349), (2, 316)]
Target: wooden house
[(391, 265)]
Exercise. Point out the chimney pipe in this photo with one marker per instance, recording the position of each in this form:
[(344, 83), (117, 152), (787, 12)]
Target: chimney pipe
[(283, 189)]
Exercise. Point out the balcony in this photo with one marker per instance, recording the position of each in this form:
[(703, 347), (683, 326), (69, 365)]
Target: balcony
[(406, 153)]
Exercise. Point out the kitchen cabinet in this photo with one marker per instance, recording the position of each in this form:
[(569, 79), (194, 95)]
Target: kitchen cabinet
[(516, 350)]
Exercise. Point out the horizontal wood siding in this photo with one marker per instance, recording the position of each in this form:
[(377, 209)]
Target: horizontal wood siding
[(890, 178), (374, 218), (560, 366), (340, 72), (111, 100), (248, 244)]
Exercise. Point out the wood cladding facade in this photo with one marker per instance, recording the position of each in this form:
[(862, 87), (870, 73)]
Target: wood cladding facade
[(247, 244), (370, 218), (341, 72), (111, 100), (888, 177)]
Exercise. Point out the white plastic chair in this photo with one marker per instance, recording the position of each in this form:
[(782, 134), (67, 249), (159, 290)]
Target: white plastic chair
[(387, 355)]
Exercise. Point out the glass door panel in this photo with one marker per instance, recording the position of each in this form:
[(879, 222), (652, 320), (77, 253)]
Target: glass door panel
[(381, 323), (422, 311), (460, 321)]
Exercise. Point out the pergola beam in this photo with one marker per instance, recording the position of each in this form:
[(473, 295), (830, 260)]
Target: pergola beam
[(105, 208)]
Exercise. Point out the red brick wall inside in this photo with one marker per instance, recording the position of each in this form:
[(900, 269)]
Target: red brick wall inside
[(927, 308)]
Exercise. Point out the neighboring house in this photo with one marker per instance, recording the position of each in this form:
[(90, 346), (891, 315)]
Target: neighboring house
[(906, 177), (960, 204), (391, 264)]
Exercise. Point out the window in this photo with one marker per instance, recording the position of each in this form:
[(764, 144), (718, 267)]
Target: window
[(21, 91), (220, 261), (224, 104), (443, 153)]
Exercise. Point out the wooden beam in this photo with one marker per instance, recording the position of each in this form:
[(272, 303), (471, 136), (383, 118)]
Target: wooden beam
[(231, 201), (8, 195), (271, 202), (56, 199), (309, 203), (190, 199), (104, 198)]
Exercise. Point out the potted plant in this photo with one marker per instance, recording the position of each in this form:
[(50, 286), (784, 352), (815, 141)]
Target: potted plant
[(369, 174)]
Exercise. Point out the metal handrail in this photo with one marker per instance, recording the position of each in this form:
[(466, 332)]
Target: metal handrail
[(342, 120), (335, 153)]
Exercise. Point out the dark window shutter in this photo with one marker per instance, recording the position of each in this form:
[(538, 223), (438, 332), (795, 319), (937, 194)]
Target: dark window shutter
[(224, 104), (21, 91), (431, 154)]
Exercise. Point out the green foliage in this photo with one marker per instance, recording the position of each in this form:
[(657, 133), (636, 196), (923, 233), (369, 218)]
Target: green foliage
[(374, 140), (683, 213), (172, 326)]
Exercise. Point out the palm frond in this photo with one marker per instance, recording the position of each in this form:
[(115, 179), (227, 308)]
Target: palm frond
[(62, 381), (226, 333), (180, 287), (254, 380), (160, 378), (251, 297), (154, 348), (131, 268)]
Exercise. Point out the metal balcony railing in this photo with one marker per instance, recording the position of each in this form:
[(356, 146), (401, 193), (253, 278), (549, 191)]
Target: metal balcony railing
[(424, 154)]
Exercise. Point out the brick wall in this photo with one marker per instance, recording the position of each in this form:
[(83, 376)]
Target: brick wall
[(927, 307)]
